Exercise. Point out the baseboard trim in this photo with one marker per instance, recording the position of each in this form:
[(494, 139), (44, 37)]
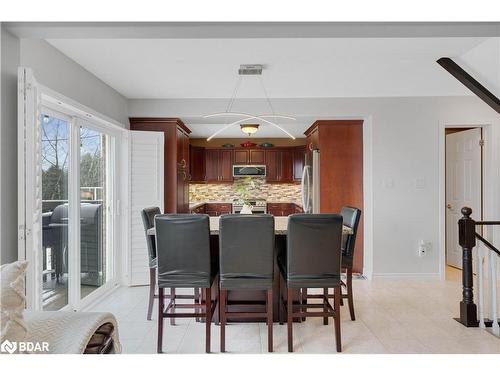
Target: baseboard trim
[(407, 276)]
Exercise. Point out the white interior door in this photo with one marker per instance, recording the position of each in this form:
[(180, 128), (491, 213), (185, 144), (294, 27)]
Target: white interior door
[(146, 190), (463, 186)]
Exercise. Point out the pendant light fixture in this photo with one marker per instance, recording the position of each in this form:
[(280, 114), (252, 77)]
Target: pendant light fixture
[(249, 129)]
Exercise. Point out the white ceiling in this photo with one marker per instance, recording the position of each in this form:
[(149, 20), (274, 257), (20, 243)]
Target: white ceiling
[(295, 67)]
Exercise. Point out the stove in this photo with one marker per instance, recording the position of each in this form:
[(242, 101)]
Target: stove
[(259, 206)]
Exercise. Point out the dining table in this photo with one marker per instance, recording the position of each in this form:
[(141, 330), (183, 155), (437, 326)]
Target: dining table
[(280, 226), (242, 299)]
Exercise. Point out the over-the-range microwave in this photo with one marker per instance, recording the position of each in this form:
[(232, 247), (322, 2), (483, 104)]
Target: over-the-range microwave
[(249, 170)]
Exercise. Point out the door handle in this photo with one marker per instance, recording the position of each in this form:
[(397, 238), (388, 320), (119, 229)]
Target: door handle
[(449, 206)]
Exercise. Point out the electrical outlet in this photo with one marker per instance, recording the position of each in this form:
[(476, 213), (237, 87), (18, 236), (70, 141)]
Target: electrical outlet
[(423, 248)]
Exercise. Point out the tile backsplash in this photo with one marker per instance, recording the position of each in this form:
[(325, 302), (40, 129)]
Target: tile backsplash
[(256, 188)]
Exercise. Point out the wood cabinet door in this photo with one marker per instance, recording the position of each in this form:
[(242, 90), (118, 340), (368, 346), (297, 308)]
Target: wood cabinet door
[(226, 165), (212, 165), (257, 157), (286, 167), (182, 191), (197, 164), (273, 163), (241, 157), (299, 155), (182, 149)]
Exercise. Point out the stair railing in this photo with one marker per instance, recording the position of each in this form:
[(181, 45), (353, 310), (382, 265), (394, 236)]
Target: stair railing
[(468, 310)]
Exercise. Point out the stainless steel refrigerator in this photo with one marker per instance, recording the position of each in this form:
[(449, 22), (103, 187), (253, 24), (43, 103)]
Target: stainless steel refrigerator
[(310, 183)]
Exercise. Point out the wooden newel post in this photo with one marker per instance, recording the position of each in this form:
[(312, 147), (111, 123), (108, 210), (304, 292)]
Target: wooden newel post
[(467, 240)]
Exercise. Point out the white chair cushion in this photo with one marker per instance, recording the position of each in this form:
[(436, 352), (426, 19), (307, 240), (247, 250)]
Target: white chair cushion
[(12, 302)]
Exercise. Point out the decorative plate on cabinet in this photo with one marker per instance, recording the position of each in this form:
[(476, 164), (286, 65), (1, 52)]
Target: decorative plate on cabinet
[(266, 145), (227, 145), (248, 144)]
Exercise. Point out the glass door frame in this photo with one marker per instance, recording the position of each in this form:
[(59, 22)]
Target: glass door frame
[(75, 302), (33, 99)]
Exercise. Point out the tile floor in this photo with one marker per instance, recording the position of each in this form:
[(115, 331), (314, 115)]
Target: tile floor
[(391, 317)]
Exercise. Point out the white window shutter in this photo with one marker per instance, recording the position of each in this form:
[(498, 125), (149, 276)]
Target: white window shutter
[(146, 190)]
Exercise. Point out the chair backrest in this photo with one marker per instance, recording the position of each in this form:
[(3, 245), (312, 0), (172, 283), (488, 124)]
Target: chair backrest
[(313, 245), (183, 248), (246, 246), (148, 220), (350, 217)]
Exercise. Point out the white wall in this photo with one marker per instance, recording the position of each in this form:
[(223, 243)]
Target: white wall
[(8, 151), (59, 73), (483, 63), (405, 148)]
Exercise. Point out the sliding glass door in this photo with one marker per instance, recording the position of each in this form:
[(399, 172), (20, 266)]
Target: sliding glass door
[(91, 251), (96, 232), (55, 160)]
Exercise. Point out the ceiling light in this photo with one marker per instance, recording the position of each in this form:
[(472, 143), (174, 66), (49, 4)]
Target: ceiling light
[(249, 128), (245, 70)]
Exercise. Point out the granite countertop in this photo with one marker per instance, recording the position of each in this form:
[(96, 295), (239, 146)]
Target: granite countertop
[(193, 205), (280, 226)]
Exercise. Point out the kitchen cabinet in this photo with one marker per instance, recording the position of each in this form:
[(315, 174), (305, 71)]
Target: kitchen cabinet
[(218, 165), (340, 143), (282, 209), (299, 154), (251, 156), (199, 209), (196, 164), (218, 209), (279, 165), (176, 159)]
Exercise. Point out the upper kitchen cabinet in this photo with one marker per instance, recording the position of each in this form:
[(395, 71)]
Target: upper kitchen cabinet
[(299, 154), (219, 165), (197, 164), (252, 156), (176, 159), (279, 164)]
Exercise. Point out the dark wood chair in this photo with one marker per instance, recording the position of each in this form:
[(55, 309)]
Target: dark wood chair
[(148, 216), (246, 245), (350, 217), (184, 261), (312, 260)]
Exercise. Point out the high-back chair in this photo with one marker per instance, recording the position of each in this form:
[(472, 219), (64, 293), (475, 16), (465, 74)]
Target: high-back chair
[(312, 260), (148, 220), (184, 261), (351, 217), (246, 257)]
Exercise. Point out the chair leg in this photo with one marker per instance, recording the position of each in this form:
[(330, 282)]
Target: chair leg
[(196, 300), (172, 295), (160, 319), (269, 311), (289, 311), (208, 318), (337, 299), (222, 302), (325, 306), (350, 299), (303, 300), (152, 287)]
